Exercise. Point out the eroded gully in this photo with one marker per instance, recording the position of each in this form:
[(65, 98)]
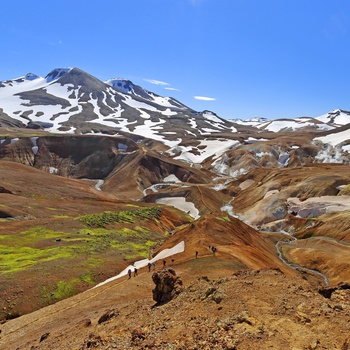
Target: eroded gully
[(229, 209)]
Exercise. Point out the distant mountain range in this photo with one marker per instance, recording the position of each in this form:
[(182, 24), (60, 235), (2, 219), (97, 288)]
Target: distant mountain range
[(70, 100), (326, 121)]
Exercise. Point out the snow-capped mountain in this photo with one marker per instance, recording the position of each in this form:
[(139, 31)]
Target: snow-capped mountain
[(336, 117), (326, 122), (287, 125), (256, 121), (128, 87), (71, 100)]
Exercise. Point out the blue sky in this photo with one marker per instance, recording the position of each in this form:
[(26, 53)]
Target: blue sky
[(238, 58)]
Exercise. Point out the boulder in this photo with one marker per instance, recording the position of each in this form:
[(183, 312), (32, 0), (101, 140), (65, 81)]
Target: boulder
[(168, 285)]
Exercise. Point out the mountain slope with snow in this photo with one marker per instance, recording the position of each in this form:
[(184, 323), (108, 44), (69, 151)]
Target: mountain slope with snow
[(336, 117), (69, 100), (72, 101)]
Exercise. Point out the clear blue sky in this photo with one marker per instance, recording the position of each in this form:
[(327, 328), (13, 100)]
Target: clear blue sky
[(268, 58)]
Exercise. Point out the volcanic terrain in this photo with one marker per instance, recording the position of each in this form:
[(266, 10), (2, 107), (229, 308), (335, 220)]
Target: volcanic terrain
[(98, 177)]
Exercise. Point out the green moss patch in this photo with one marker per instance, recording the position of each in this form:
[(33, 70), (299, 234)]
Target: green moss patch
[(124, 216), (40, 245), (223, 218)]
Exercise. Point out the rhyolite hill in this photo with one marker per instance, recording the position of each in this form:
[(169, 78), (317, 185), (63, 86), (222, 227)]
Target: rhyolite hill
[(97, 175)]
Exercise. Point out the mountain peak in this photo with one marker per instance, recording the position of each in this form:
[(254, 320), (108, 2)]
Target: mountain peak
[(57, 73), (121, 84), (31, 76), (129, 87)]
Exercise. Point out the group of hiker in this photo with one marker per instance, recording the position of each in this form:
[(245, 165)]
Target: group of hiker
[(135, 272), (149, 265), (213, 249)]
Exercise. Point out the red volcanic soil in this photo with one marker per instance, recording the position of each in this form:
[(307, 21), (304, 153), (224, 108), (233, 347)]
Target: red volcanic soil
[(222, 305)]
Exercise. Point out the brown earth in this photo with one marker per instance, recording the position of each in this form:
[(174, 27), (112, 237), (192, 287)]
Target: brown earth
[(243, 297), (322, 254), (39, 227), (264, 203), (218, 309)]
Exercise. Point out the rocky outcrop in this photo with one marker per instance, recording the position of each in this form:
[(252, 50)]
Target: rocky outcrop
[(73, 156), (4, 190), (168, 285), (17, 149), (329, 290)]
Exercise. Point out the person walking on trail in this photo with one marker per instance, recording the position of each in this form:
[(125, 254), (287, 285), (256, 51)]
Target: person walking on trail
[(135, 272), (164, 263), (149, 266), (154, 266), (196, 255), (172, 262), (129, 273)]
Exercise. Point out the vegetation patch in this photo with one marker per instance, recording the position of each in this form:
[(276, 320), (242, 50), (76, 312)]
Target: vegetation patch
[(223, 218), (40, 245), (61, 291), (124, 216)]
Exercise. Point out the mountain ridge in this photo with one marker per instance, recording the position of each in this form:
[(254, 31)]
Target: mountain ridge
[(95, 178), (69, 100)]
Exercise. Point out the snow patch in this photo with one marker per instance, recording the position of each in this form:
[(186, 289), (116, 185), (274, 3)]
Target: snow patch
[(179, 248), (181, 204), (205, 149), (219, 187), (330, 154), (335, 138), (53, 170), (171, 178)]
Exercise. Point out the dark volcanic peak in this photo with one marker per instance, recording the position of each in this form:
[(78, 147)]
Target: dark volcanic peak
[(129, 87), (122, 84), (56, 74), (136, 90), (31, 76)]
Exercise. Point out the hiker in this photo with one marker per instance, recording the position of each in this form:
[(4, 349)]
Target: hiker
[(149, 266), (129, 273), (164, 263), (196, 255), (135, 272), (154, 266), (172, 262)]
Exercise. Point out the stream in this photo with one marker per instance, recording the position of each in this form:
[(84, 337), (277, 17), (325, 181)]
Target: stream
[(296, 266), (228, 208)]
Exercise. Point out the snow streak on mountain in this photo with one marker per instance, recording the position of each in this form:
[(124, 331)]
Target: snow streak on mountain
[(70, 100)]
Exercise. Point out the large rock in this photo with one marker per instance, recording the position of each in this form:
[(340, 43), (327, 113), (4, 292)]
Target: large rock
[(168, 285)]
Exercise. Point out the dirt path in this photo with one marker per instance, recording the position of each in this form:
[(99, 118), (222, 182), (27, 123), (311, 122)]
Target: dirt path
[(123, 293), (59, 317)]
